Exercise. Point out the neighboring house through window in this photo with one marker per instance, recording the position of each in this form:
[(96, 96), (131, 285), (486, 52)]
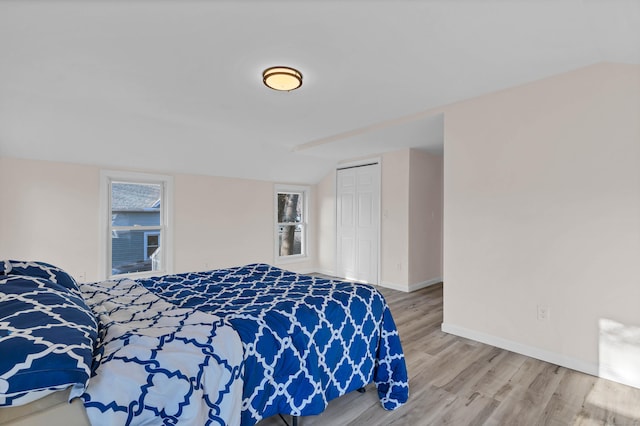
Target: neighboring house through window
[(291, 222), (151, 244), (137, 229)]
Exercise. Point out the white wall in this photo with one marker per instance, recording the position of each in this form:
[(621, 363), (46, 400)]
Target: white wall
[(50, 212), (542, 207)]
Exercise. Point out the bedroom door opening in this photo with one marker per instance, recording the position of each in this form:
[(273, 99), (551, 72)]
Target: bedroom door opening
[(358, 222)]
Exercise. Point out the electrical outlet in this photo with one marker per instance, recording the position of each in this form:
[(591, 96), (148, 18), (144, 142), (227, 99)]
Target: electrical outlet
[(544, 313)]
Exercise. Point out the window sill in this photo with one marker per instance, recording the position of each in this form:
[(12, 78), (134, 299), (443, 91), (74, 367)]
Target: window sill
[(297, 258), (134, 275)]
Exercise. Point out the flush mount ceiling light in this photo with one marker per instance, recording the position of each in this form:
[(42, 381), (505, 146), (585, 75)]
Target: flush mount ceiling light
[(282, 78)]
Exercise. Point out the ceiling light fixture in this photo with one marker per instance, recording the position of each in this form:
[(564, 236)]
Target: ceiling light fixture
[(284, 79)]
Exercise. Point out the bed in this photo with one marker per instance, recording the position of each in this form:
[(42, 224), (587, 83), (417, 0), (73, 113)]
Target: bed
[(229, 346)]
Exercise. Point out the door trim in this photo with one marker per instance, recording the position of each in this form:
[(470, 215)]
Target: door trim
[(361, 163)]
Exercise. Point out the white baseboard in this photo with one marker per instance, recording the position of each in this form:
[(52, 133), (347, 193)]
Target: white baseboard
[(393, 286), (411, 287), (531, 351), (324, 271), (423, 284)]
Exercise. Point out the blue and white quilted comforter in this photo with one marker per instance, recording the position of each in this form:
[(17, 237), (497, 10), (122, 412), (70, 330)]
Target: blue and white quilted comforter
[(158, 363), (306, 340)]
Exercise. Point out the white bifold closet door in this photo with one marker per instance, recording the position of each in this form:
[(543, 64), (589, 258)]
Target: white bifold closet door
[(358, 222)]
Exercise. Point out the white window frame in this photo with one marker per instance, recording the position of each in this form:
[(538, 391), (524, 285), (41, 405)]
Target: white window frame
[(305, 191), (166, 221)]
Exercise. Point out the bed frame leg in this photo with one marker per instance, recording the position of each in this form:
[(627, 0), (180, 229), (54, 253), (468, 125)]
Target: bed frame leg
[(294, 420)]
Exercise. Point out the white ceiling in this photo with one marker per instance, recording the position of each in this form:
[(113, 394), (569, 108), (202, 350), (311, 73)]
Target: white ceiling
[(175, 85)]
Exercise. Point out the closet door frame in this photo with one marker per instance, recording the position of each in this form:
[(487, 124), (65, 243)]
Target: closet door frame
[(377, 162)]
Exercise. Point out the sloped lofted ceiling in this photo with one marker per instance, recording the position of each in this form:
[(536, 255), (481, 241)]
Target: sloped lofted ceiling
[(175, 85)]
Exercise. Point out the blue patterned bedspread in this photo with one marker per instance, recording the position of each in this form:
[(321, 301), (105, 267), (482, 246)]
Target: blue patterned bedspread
[(160, 364), (306, 340)]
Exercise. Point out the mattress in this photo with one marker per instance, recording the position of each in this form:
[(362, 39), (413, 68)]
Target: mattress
[(53, 409)]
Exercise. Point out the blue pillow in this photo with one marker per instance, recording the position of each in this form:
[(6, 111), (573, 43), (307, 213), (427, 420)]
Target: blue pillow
[(41, 270), (47, 338)]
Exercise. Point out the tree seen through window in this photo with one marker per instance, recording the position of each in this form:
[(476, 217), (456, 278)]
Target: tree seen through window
[(290, 223)]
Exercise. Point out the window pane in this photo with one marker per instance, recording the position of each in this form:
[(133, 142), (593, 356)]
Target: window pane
[(290, 240), (135, 251), (153, 243), (290, 207), (135, 204)]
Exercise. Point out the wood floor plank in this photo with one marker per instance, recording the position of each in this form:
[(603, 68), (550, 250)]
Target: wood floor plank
[(456, 381), (568, 399), (496, 382)]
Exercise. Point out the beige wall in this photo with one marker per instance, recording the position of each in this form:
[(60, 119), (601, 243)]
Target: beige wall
[(326, 224), (425, 218), (542, 207), (50, 212), (220, 221), (411, 235), (394, 226)]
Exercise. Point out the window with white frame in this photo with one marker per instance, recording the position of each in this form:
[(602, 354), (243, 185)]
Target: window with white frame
[(291, 222), (137, 225)]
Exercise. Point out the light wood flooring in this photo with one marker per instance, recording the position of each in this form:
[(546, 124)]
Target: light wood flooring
[(455, 381)]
